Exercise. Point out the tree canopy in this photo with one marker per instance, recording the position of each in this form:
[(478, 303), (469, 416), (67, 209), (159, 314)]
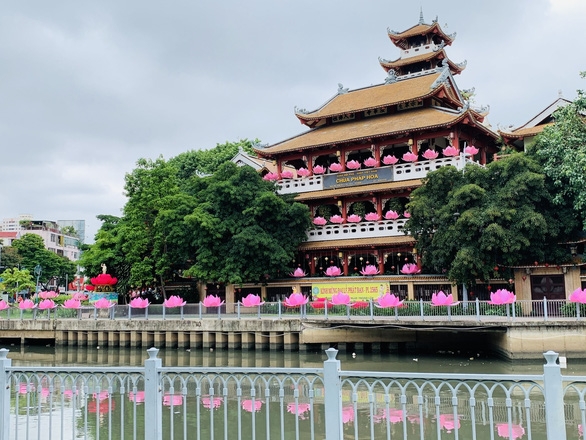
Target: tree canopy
[(472, 225), (561, 149)]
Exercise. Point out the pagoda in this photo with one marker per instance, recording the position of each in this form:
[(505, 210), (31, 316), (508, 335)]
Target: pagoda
[(366, 149)]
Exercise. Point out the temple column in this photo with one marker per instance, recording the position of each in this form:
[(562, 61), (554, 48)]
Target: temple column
[(345, 264), (342, 158), (381, 261), (379, 207), (376, 154)]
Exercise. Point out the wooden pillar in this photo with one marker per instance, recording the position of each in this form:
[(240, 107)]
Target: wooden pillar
[(311, 265), (379, 207), (376, 154), (410, 291), (381, 261), (342, 158), (344, 263)]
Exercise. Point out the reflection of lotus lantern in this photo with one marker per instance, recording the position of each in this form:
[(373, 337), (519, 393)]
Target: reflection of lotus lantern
[(104, 282)]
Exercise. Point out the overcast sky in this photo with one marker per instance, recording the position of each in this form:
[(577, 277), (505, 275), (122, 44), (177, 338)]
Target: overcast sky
[(87, 88)]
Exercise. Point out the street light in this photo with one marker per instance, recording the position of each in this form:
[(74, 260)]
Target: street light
[(37, 271)]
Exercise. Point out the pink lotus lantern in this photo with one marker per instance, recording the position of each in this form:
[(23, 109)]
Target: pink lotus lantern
[(103, 303), (319, 221), (320, 303), (104, 279), (391, 215), (450, 151), (388, 300), (72, 304), (47, 304), (336, 167), (410, 269), (139, 303), (340, 299), (517, 431), (250, 406), (372, 217), (298, 273), (390, 160), (48, 295), (172, 399), (303, 172), (102, 395), (430, 154), (27, 304), (80, 296), (407, 214), (471, 150), (578, 296), (287, 174), (336, 219), (370, 162), (441, 299), (298, 409), (209, 402), (409, 157), (137, 397), (101, 407), (212, 301), (295, 300), (502, 296), (448, 422), (318, 169), (68, 394), (353, 165), (174, 301), (4, 305), (271, 176), (354, 218), (348, 414), (392, 415), (252, 301), (369, 270), (333, 271)]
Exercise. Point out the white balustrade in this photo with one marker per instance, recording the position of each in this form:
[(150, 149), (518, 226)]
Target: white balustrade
[(383, 228), (300, 185)]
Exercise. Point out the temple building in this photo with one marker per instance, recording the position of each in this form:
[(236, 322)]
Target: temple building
[(366, 149)]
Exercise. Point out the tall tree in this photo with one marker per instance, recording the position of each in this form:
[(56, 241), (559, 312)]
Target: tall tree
[(14, 280), (561, 149), (241, 229), (473, 225)]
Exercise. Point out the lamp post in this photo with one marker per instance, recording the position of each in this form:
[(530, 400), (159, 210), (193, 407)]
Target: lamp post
[(37, 271)]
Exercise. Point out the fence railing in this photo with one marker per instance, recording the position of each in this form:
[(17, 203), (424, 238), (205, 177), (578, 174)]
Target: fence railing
[(155, 402), (479, 311)]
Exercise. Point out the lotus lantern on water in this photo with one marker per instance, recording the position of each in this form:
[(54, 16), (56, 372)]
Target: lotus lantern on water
[(450, 151), (441, 299), (410, 157), (517, 431), (336, 167), (370, 162), (333, 271), (430, 154), (250, 406), (252, 300), (211, 402), (391, 215), (448, 422), (353, 165), (139, 303), (369, 270), (212, 301), (298, 273), (388, 300), (340, 299), (410, 269), (319, 221), (298, 409), (502, 296), (295, 300), (390, 160), (174, 301)]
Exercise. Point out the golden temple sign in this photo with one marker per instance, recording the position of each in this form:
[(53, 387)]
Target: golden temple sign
[(360, 177)]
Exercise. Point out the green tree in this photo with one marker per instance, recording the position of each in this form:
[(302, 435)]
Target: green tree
[(561, 149), (70, 231), (473, 225), (14, 280), (32, 251), (9, 257), (241, 230)]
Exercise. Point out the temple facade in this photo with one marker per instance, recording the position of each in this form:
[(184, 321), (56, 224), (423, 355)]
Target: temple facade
[(366, 149)]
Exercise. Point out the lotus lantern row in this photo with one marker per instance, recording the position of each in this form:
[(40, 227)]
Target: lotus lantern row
[(355, 218)]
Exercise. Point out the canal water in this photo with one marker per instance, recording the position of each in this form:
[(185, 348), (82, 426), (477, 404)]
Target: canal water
[(89, 416)]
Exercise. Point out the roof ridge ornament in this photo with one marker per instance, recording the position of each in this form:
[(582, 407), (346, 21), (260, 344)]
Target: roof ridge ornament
[(436, 19), (421, 20), (256, 144), (452, 36), (439, 46), (384, 60), (300, 111), (392, 32), (391, 77), (463, 64), (464, 108), (341, 89), (444, 68)]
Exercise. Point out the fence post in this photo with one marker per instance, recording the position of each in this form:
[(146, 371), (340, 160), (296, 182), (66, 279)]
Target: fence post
[(554, 397), (332, 395), (153, 396), (544, 308), (4, 395)]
